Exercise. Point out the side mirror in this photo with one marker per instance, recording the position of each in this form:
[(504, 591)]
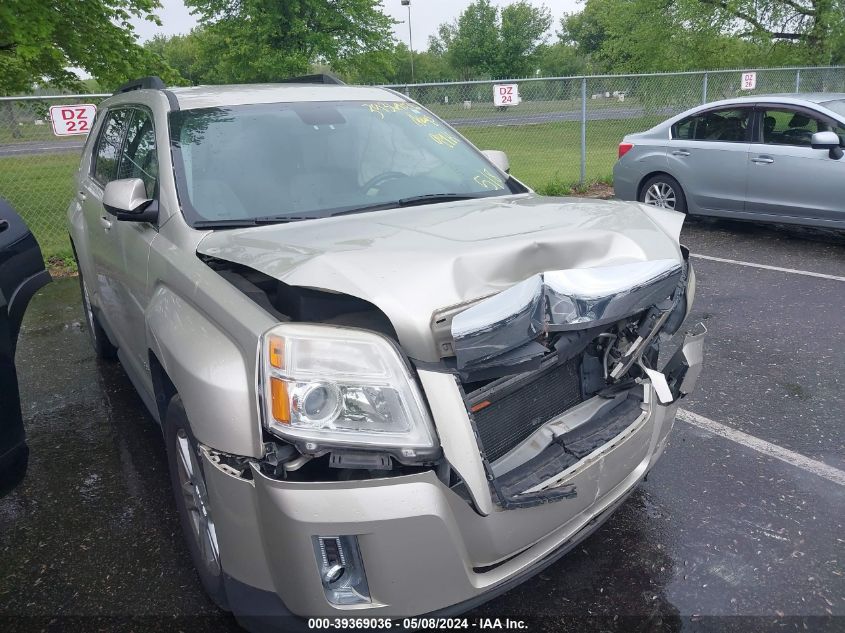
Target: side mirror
[(499, 159), (829, 141), (126, 199)]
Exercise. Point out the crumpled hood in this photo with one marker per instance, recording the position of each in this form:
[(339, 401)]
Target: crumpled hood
[(412, 261)]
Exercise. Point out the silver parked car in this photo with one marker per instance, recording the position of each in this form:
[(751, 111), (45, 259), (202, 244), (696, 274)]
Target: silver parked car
[(391, 379), (774, 158)]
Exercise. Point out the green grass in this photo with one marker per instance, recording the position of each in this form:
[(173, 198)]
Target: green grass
[(40, 187), (547, 156)]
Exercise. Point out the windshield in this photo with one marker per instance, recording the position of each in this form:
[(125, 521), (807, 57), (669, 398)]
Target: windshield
[(837, 106), (291, 161)]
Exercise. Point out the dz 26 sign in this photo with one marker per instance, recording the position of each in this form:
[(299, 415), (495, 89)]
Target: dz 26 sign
[(72, 119), (749, 81), (505, 95)]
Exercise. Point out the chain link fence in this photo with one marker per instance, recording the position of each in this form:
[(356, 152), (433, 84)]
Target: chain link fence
[(37, 167), (566, 131), (561, 132)]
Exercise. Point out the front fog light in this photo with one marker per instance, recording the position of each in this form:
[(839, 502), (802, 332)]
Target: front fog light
[(341, 569)]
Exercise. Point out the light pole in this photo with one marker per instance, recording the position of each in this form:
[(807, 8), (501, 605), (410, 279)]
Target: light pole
[(407, 3)]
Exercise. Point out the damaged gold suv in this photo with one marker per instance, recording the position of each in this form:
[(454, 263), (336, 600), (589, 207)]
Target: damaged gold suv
[(391, 379)]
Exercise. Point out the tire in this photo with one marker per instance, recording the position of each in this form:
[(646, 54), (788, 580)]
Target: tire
[(664, 192), (103, 347), (192, 504)]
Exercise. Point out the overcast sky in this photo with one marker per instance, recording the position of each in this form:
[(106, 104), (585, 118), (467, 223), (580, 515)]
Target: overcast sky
[(426, 16)]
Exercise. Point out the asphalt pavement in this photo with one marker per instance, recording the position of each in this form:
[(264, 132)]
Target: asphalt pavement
[(46, 146), (738, 528)]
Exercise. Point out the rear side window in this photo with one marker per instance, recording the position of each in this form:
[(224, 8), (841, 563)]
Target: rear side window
[(108, 146), (139, 158), (721, 125)]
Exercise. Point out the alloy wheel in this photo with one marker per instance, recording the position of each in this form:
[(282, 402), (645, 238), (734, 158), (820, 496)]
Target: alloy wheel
[(662, 195), (196, 502), (86, 305)]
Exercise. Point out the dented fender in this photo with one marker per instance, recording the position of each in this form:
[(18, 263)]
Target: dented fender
[(210, 373)]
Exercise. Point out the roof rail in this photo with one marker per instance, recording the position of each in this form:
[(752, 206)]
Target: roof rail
[(320, 78), (144, 83)]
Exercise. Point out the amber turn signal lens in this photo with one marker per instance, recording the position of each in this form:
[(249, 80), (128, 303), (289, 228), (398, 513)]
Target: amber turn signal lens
[(276, 346), (279, 400)]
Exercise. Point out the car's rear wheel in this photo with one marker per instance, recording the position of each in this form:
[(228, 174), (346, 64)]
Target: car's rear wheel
[(99, 339), (192, 502), (664, 192)]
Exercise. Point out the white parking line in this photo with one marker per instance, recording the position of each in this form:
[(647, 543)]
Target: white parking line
[(792, 458), (765, 267)]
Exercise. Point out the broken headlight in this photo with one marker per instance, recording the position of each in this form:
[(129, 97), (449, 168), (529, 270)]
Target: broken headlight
[(326, 386)]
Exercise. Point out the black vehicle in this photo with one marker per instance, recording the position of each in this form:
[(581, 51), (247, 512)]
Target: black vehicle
[(22, 274)]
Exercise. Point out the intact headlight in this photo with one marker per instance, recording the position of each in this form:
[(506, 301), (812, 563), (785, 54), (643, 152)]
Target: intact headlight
[(332, 386)]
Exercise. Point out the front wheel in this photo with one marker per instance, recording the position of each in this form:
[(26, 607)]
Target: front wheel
[(99, 339), (664, 192), (192, 502)]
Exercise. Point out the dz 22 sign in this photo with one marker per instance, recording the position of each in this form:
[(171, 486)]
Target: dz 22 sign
[(68, 120), (505, 95)]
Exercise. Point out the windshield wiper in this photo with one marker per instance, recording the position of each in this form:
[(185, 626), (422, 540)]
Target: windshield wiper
[(428, 198), (432, 198), (247, 222)]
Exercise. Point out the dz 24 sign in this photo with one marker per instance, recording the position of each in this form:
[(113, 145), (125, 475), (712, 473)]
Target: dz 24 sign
[(68, 120), (505, 95)]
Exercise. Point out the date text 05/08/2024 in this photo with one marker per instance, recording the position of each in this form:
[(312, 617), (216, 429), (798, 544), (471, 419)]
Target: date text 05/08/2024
[(410, 624)]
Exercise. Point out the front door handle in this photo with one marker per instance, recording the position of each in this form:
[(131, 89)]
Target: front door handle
[(680, 152), (763, 160), (106, 222)]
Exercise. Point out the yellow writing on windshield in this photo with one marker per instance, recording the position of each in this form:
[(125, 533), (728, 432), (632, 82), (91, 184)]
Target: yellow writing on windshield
[(387, 107), (488, 179), (422, 119), (444, 138)]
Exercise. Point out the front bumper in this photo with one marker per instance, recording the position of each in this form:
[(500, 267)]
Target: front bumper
[(424, 547)]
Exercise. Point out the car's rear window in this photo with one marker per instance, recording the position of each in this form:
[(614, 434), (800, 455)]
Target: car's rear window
[(837, 105), (313, 159)]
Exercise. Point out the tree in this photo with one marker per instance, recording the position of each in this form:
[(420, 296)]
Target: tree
[(474, 48), (446, 33), (587, 29), (486, 42), (267, 40), (523, 29), (560, 59), (816, 25), (374, 67), (664, 35), (184, 53), (40, 43)]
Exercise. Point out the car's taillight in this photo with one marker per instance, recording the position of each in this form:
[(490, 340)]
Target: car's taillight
[(624, 148)]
